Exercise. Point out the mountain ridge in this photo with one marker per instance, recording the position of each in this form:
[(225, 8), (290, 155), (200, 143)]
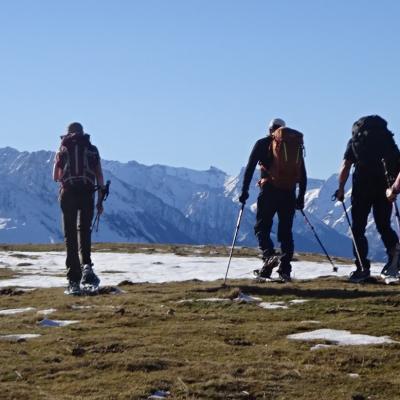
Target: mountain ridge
[(160, 204)]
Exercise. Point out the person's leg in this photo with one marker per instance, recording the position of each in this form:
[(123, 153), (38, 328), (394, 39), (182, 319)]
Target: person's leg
[(69, 218), (286, 213), (86, 211), (266, 208), (382, 211), (361, 207)]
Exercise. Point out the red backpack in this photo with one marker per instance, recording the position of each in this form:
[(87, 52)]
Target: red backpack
[(78, 159), (287, 151)]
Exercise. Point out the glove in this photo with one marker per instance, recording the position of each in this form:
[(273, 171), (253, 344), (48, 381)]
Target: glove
[(244, 196), (339, 195), (300, 203)]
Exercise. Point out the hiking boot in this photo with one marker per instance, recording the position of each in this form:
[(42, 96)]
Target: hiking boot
[(284, 271), (89, 278), (73, 289), (269, 264), (391, 269), (359, 276), (284, 276)]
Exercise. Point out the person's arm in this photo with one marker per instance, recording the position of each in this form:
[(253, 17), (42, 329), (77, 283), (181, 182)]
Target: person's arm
[(394, 190), (249, 171), (57, 171), (99, 174), (302, 188), (343, 176)]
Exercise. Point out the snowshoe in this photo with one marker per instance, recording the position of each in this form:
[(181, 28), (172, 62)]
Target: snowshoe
[(90, 281), (265, 272), (73, 289)]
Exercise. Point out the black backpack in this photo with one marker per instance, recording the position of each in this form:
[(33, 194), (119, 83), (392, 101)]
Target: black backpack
[(371, 142)]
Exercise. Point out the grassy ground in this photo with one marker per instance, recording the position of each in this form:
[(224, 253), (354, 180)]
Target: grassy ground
[(129, 345)]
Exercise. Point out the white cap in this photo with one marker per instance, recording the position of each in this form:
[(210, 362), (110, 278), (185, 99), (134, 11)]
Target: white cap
[(276, 122)]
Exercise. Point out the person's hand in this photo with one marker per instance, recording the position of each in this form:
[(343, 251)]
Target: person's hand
[(390, 194), (100, 208), (300, 203), (339, 194), (244, 196)]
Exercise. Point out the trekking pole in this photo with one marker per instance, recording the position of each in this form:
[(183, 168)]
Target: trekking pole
[(389, 183), (104, 194), (334, 267), (234, 241), (334, 197)]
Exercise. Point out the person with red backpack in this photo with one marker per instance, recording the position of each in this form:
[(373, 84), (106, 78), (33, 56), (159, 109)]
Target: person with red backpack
[(78, 169), (280, 156), (373, 152)]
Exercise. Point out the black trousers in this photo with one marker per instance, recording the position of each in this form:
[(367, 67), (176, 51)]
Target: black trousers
[(368, 194), (271, 201), (77, 214)]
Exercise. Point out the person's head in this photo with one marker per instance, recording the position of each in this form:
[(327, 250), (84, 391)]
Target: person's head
[(75, 127), (275, 124)]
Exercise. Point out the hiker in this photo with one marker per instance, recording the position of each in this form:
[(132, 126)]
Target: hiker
[(77, 167), (280, 156), (371, 142)]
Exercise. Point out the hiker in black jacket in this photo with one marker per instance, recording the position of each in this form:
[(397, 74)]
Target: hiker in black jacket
[(370, 143), (277, 196)]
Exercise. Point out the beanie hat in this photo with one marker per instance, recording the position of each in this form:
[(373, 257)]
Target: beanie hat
[(75, 127)]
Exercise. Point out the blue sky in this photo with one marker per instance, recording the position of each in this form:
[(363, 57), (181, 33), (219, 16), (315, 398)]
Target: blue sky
[(194, 83)]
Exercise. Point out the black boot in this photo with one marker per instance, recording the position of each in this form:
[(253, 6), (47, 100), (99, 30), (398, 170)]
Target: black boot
[(362, 272), (391, 269)]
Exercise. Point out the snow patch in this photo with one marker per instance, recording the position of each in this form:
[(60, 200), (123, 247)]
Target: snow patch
[(18, 337), (13, 311), (341, 337), (46, 312), (55, 323), (273, 306), (298, 301), (207, 299), (244, 298), (48, 268), (78, 307), (159, 394)]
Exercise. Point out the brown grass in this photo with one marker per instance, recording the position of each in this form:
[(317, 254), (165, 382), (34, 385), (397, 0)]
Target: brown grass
[(127, 346)]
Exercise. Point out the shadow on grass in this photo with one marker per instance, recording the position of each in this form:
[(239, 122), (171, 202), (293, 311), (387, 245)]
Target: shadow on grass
[(348, 291)]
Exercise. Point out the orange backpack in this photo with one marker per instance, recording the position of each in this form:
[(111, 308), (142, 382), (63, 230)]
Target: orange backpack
[(287, 151)]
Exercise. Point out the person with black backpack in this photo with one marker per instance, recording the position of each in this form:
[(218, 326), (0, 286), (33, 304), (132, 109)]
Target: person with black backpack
[(280, 156), (370, 150), (78, 169)]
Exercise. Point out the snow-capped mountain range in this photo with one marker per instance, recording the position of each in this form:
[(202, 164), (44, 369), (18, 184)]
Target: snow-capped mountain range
[(161, 204)]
